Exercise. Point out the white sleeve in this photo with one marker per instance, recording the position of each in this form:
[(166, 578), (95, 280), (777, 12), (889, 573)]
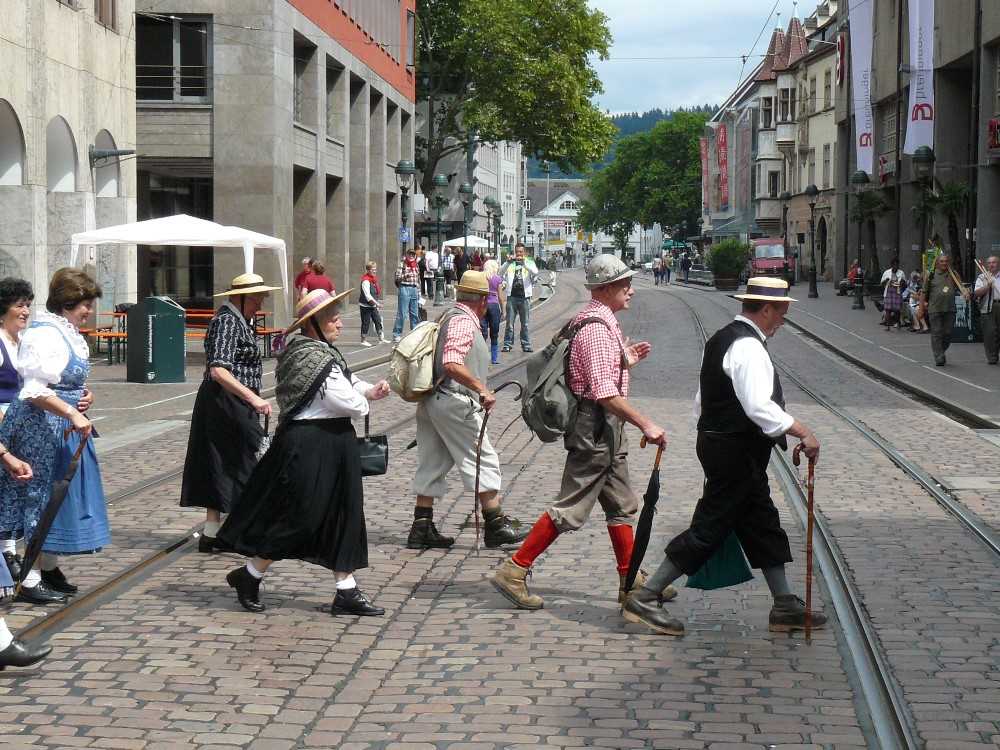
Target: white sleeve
[(340, 397), (980, 283), (366, 292), (886, 276), (750, 369), (359, 385), (42, 357)]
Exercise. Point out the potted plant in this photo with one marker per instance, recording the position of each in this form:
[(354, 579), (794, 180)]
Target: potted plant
[(727, 260)]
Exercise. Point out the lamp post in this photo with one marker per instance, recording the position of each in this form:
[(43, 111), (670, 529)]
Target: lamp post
[(923, 172), (812, 192), (785, 197), (440, 202), (405, 170), (492, 219), (859, 179), (465, 193)]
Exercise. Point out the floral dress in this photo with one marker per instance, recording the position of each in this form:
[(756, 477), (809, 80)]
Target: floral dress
[(52, 361)]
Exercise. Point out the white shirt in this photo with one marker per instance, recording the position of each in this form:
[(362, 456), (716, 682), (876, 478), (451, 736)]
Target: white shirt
[(892, 279), (338, 398), (748, 365), (430, 262), (11, 349), (43, 354), (987, 300)]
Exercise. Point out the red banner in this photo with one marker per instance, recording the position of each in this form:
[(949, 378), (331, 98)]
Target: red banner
[(703, 143), (722, 152)]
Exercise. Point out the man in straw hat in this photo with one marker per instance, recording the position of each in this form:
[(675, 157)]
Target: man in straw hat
[(449, 421), (597, 450), (225, 426), (741, 417)]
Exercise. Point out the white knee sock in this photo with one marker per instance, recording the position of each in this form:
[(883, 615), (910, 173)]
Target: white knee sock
[(6, 637), (212, 529), (258, 574), (347, 583), (47, 561), (33, 578), (9, 545)]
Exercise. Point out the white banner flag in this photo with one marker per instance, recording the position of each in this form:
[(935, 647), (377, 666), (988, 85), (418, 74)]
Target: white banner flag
[(920, 126), (860, 17)]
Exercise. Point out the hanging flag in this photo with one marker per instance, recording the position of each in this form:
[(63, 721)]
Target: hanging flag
[(722, 152), (703, 145), (920, 128), (860, 16)]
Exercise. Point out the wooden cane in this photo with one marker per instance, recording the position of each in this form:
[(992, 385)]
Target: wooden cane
[(659, 453), (811, 516)]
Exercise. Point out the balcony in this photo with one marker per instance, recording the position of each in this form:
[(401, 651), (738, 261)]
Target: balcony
[(767, 209), (787, 133)]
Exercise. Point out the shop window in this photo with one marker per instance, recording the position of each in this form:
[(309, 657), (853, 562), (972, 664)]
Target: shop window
[(172, 59)]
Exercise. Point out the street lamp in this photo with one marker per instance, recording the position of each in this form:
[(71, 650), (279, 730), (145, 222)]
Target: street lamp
[(405, 170), (492, 219), (785, 197), (923, 172), (858, 180), (812, 192), (465, 193), (440, 202)]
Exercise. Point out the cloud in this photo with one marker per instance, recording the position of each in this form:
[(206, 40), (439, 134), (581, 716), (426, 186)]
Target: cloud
[(720, 30)]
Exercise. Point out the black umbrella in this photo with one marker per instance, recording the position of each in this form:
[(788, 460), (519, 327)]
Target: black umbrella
[(645, 525), (60, 488)]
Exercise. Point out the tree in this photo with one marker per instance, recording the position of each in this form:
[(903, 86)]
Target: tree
[(866, 209), (950, 200), (604, 211), (516, 70)]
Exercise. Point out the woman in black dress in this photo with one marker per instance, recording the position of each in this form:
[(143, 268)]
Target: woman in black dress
[(225, 425), (304, 500)]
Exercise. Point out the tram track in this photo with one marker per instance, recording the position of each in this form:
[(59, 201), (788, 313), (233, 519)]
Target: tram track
[(132, 575)]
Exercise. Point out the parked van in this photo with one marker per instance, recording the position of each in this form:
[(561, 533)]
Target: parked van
[(769, 259)]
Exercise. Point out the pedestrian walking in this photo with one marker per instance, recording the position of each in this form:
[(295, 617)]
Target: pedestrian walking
[(939, 294), (431, 262), (318, 279), (450, 419), (741, 417), (596, 468), (519, 277), (686, 267), (225, 427), (300, 278), (987, 293), (369, 302), (407, 294), (668, 266), (495, 304), (893, 281), (305, 499), (448, 269), (461, 263), (53, 367), (656, 267), (918, 308), (476, 261)]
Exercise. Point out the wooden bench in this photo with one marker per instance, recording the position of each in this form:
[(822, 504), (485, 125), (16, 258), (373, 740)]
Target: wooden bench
[(117, 343)]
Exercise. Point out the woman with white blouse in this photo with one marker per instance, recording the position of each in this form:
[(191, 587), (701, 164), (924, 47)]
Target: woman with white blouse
[(304, 499), (53, 366)]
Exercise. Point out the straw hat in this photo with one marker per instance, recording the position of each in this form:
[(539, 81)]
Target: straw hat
[(765, 289), (474, 282), (606, 269), (311, 304), (247, 283)]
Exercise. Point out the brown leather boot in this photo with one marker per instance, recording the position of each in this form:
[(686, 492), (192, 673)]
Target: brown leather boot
[(510, 580), (666, 595)]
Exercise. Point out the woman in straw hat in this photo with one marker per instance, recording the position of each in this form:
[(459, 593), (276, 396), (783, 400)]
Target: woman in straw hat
[(225, 425), (304, 500)]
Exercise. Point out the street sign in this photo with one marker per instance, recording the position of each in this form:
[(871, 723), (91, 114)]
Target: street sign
[(404, 234)]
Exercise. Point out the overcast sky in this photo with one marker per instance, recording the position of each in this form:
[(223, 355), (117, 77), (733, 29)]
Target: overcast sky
[(687, 29)]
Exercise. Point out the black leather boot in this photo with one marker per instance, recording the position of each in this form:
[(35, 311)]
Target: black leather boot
[(13, 564), (501, 531), (247, 589), (56, 580), (20, 654), (645, 606), (211, 544), (354, 602), (424, 534), (40, 594)]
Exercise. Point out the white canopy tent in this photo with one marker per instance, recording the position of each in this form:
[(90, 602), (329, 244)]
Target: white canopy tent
[(474, 241), (185, 231)]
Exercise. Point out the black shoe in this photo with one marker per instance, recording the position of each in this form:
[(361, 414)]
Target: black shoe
[(424, 534), (20, 654), (56, 581), (354, 602), (40, 594), (506, 348), (13, 565), (211, 544), (247, 589), (939, 361), (502, 531), (646, 607), (527, 349)]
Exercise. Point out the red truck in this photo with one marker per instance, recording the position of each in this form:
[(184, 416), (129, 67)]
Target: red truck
[(769, 259)]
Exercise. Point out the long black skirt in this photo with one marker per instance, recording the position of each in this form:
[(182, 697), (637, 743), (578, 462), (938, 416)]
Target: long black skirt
[(304, 501), (222, 449)]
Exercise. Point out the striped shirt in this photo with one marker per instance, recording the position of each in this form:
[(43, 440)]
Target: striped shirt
[(597, 358), (461, 333), (408, 275), (230, 343)]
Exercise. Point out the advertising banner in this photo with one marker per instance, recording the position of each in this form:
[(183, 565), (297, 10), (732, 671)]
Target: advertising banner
[(722, 154), (920, 128), (703, 144), (860, 16)]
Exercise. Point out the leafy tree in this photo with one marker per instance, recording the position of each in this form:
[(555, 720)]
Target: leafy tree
[(866, 208), (950, 199), (517, 70), (604, 209)]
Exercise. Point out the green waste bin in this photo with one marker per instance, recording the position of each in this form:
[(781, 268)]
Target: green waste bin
[(155, 342)]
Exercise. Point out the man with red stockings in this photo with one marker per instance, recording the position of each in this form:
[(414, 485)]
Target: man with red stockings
[(597, 451)]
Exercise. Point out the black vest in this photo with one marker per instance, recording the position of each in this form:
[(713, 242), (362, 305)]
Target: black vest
[(721, 411)]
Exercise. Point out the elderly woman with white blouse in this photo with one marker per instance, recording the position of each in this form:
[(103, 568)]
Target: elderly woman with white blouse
[(304, 499)]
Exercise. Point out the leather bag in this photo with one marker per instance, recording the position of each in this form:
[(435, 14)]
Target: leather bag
[(374, 450)]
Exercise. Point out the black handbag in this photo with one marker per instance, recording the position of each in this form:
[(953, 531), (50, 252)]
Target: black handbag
[(374, 450)]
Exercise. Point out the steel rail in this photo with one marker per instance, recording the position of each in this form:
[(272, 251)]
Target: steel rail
[(891, 721)]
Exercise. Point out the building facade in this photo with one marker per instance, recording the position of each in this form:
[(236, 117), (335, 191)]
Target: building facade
[(68, 85), (286, 117)]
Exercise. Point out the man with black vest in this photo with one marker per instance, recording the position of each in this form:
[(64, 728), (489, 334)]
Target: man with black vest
[(741, 417)]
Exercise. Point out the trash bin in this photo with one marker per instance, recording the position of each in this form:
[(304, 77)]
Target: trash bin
[(155, 342)]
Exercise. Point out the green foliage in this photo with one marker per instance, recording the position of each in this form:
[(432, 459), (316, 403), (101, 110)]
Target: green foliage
[(950, 199), (728, 258), (516, 70)]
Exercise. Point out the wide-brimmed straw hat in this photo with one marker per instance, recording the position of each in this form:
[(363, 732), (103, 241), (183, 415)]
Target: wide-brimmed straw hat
[(311, 304), (606, 269), (247, 283), (765, 289), (474, 282)]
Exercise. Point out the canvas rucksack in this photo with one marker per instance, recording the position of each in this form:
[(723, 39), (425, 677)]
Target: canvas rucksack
[(548, 405), (411, 368)]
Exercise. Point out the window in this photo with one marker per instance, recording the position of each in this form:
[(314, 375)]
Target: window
[(568, 206), (827, 89), (812, 95), (767, 108), (784, 97), (299, 93), (812, 166), (104, 13), (773, 183), (172, 59), (889, 134), (791, 107), (826, 166)]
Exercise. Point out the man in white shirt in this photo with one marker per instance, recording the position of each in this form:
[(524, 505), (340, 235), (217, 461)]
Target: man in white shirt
[(987, 291), (519, 275), (431, 262), (741, 417)]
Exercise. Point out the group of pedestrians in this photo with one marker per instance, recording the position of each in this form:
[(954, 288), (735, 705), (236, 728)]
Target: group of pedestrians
[(662, 267)]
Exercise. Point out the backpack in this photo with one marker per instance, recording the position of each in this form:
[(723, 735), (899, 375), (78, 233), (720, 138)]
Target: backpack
[(411, 366), (548, 405)]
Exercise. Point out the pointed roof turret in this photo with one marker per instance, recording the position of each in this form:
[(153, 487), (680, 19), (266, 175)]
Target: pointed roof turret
[(766, 72)]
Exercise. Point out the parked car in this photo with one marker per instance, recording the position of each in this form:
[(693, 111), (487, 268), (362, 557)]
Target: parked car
[(769, 259)]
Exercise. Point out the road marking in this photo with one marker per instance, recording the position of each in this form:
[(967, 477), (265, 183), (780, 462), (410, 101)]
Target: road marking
[(901, 356), (944, 374), (839, 327)]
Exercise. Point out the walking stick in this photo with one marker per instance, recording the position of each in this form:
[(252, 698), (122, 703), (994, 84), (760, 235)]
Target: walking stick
[(810, 522), (479, 453)]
